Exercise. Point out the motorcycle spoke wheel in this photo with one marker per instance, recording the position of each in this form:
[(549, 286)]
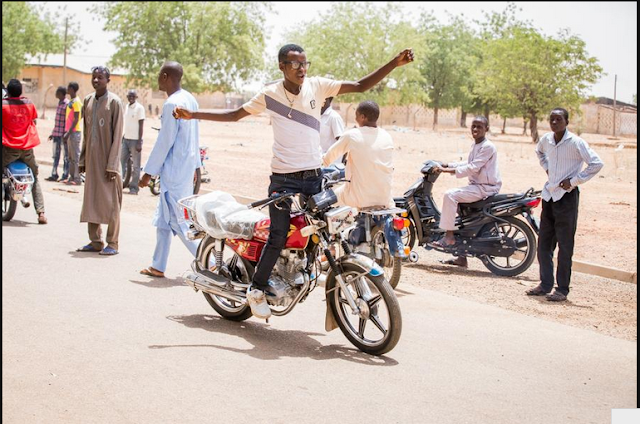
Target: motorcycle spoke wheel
[(233, 268), (376, 328), (519, 233)]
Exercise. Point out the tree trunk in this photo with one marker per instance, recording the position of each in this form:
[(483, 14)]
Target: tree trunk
[(504, 126), (533, 125), (524, 130), (435, 118), (463, 119), (487, 111)]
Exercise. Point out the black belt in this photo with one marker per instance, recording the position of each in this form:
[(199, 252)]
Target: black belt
[(302, 175)]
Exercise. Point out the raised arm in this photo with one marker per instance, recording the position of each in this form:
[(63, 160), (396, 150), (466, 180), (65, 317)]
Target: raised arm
[(222, 116), (365, 83)]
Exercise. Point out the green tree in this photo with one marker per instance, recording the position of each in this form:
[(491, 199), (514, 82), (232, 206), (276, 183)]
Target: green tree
[(351, 40), (27, 33), (450, 55), (219, 44), (527, 74)]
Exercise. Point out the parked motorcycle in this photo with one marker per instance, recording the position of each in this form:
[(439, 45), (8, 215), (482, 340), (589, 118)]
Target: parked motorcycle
[(359, 299), (488, 229), (17, 183), (198, 179)]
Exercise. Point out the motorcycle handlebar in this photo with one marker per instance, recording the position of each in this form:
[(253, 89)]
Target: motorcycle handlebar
[(271, 199)]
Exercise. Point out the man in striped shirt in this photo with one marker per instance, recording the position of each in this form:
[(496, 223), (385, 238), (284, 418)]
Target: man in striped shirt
[(56, 137), (561, 154), (294, 105)]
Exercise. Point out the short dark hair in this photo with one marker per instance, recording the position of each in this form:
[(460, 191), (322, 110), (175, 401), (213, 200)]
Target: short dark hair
[(62, 90), (565, 112), (482, 118), (74, 85), (14, 88), (284, 50), (103, 69), (369, 109)]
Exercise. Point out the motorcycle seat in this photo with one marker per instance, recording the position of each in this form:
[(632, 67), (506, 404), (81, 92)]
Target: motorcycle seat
[(18, 168), (491, 199)]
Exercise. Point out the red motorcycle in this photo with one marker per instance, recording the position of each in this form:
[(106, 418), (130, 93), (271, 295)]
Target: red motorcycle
[(359, 299)]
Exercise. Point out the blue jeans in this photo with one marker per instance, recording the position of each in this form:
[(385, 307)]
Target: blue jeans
[(57, 144), (393, 236), (279, 227)]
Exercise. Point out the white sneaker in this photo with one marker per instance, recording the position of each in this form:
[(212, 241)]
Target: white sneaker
[(258, 303)]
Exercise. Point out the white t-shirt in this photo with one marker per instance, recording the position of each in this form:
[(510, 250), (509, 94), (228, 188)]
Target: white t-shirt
[(296, 127), (331, 127), (132, 114), (369, 167)]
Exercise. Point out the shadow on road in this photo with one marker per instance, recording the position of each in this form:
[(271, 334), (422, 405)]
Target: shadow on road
[(568, 303), (17, 223), (272, 344), (160, 283), (448, 269)]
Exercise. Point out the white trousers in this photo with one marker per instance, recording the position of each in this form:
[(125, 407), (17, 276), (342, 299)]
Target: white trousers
[(468, 194), (163, 242)]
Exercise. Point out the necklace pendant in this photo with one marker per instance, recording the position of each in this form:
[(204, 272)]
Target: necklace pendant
[(289, 114)]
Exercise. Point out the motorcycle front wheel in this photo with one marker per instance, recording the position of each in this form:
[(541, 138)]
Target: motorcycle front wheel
[(8, 204), (376, 329), (526, 247), (235, 268)]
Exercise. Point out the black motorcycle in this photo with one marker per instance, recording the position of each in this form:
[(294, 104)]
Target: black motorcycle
[(488, 229)]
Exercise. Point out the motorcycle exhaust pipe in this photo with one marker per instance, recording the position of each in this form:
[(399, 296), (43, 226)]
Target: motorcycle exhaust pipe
[(25, 202), (213, 286)]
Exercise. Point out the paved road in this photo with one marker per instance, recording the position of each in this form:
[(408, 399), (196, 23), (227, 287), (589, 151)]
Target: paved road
[(86, 339)]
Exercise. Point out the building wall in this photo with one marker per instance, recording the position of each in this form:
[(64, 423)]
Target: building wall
[(41, 83)]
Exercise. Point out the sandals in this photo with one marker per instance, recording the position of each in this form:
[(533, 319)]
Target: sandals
[(440, 245), (152, 272), (87, 248), (108, 251), (453, 262)]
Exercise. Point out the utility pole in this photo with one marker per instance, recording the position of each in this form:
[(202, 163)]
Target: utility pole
[(64, 65), (615, 83)]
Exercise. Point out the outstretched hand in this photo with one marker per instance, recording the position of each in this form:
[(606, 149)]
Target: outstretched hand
[(180, 113), (404, 57)]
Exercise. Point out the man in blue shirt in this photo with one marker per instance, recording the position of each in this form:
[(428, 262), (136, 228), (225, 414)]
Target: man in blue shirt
[(174, 157)]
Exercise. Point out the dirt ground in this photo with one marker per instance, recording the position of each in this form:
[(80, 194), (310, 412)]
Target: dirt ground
[(239, 160)]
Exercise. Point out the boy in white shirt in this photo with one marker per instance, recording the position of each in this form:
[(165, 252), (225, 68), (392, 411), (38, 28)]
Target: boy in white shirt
[(369, 169)]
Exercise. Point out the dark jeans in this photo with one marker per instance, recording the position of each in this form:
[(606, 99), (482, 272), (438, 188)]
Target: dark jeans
[(58, 145), (558, 224), (279, 227)]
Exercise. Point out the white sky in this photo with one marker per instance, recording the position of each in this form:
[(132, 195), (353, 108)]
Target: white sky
[(609, 30)]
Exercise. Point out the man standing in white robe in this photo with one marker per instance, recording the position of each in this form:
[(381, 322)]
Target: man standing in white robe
[(484, 177), (174, 157)]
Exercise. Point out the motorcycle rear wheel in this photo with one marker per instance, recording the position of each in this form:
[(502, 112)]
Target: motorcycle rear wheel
[(197, 180), (126, 178), (392, 266), (515, 228), (238, 268), (8, 204), (378, 303)]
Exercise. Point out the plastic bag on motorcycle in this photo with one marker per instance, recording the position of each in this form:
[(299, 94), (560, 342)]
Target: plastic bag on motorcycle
[(224, 217)]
